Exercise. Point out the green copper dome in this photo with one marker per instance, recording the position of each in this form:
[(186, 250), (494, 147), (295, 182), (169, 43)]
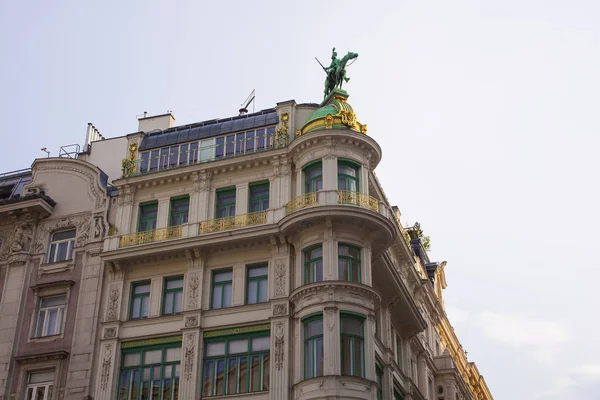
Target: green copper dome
[(334, 113)]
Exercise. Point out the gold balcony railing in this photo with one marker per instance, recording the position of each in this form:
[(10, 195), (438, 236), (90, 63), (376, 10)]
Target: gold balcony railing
[(358, 199), (156, 235), (236, 221), (300, 202)]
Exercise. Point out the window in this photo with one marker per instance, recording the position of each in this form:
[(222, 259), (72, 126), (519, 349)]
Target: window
[(313, 346), (140, 300), (379, 373), (40, 385), (349, 263), (50, 316), (238, 364), (351, 330), (173, 295), (150, 373), (313, 264), (397, 395), (225, 203), (259, 197), (147, 220), (399, 351), (61, 246), (257, 284), (313, 177), (348, 176), (221, 289), (179, 211)]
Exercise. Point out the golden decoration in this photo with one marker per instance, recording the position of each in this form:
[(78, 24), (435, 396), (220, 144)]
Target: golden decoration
[(300, 202), (150, 342), (156, 235), (329, 121), (237, 331), (358, 199), (233, 222)]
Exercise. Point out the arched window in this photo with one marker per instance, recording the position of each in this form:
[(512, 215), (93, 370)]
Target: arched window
[(313, 177), (348, 173), (61, 246)]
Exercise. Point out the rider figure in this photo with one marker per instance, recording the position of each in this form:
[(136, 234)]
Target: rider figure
[(332, 70)]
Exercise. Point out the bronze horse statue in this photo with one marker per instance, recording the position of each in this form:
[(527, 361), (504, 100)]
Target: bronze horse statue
[(336, 72)]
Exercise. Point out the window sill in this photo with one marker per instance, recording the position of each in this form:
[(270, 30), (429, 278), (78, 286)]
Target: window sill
[(153, 320), (42, 339), (237, 395), (238, 308), (53, 268)]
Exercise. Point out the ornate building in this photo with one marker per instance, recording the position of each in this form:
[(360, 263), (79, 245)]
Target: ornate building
[(253, 257), (52, 223)]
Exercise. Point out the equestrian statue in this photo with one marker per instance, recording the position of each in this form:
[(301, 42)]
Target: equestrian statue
[(336, 72)]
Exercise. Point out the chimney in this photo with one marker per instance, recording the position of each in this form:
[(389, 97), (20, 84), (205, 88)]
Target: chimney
[(153, 122), (92, 134)]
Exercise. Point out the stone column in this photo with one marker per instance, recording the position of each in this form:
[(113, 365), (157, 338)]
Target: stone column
[(330, 172), (10, 309), (156, 288), (366, 264), (241, 199), (364, 178), (281, 366), (331, 342), (330, 255), (369, 339), (299, 181), (162, 219)]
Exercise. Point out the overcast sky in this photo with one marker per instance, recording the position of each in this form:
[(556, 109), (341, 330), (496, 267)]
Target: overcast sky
[(487, 113)]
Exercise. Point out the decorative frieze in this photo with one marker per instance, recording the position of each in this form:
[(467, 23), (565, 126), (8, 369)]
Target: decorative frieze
[(193, 290), (107, 355), (279, 345), (112, 307), (280, 280), (188, 357)]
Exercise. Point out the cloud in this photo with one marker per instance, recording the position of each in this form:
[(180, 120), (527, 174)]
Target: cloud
[(520, 331), (588, 371), (559, 386)]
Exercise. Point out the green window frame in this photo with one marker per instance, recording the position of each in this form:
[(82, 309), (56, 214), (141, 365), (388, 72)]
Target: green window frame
[(352, 344), (259, 197), (397, 394), (236, 364), (147, 217), (313, 264), (140, 300), (257, 287), (313, 346), (221, 289), (150, 372), (348, 176), (172, 295), (180, 208), (379, 373), (313, 177), (349, 266), (225, 204)]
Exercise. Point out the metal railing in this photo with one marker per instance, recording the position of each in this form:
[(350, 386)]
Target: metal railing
[(300, 202), (156, 235), (233, 222), (358, 199)]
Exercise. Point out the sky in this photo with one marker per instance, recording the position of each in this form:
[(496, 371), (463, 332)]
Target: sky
[(486, 112)]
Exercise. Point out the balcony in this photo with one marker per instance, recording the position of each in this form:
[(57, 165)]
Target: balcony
[(325, 197), (156, 235), (358, 199), (233, 222)]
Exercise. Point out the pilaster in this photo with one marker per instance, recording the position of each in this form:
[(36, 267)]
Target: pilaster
[(162, 220), (125, 221), (193, 280), (107, 375), (189, 387), (330, 172), (331, 341), (281, 345), (241, 199)]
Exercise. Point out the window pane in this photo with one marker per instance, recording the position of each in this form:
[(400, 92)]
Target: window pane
[(223, 276), (51, 253), (53, 301), (207, 382), (313, 328), (260, 139), (346, 355), (319, 271), (238, 346), (319, 356), (257, 271), (262, 290), (229, 145), (254, 373), (352, 326), (178, 301), (154, 156), (316, 252), (184, 153), (347, 170), (145, 307), (220, 147), (40, 327), (250, 141), (343, 269), (266, 369), (41, 376), (135, 308), (173, 354), (152, 357), (261, 343), (168, 307), (252, 295), (63, 235), (148, 211), (358, 358), (270, 136), (139, 289), (215, 349), (240, 143), (61, 252), (217, 295), (175, 283), (207, 148), (219, 377), (243, 375), (52, 317), (131, 359), (231, 370), (227, 295)]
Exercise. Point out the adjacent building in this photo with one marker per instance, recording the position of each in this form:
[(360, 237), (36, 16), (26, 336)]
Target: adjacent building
[(252, 257)]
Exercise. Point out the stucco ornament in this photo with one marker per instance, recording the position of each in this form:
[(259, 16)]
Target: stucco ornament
[(81, 224), (113, 303), (280, 309), (279, 345), (191, 322), (193, 291), (280, 279), (189, 356), (106, 363), (22, 238)]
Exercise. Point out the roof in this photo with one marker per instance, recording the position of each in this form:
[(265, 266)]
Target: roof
[(11, 183), (210, 128)]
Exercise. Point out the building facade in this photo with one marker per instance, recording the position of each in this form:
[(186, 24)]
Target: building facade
[(252, 257), (52, 224)]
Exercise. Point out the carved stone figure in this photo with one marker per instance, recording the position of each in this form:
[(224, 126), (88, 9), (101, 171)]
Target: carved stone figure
[(22, 238)]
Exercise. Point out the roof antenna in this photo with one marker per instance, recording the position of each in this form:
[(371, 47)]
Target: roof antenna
[(246, 103)]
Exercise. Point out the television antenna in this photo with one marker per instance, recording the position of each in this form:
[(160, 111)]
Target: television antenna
[(246, 103)]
